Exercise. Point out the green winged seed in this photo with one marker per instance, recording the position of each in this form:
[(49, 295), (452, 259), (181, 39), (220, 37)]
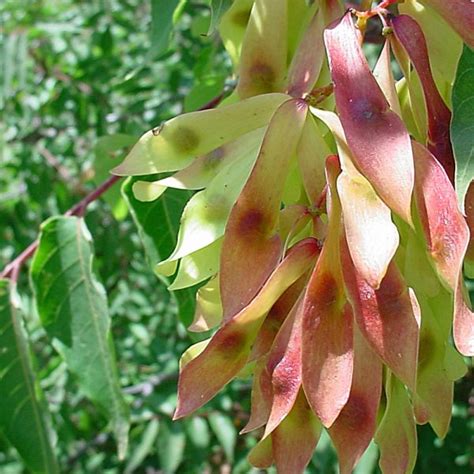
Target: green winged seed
[(180, 140)]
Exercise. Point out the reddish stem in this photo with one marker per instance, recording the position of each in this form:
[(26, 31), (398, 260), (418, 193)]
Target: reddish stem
[(214, 102), (13, 268), (380, 9)]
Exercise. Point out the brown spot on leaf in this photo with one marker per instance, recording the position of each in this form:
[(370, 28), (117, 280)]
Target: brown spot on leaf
[(322, 298), (184, 139), (232, 344), (263, 77), (327, 291), (251, 221)]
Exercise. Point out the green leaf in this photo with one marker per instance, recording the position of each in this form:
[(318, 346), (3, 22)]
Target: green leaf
[(145, 447), (158, 224), (23, 421), (462, 125), (225, 432), (109, 151), (72, 306), (368, 461), (218, 8), (171, 444), (197, 431), (163, 15), (203, 91)]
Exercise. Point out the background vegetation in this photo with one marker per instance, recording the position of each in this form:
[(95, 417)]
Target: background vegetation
[(81, 81)]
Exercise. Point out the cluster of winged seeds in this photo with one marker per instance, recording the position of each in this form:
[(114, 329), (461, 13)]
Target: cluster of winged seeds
[(325, 228)]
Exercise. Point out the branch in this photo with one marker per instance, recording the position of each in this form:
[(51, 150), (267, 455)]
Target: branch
[(13, 268)]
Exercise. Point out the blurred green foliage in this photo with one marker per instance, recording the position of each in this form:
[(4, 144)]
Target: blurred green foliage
[(74, 72)]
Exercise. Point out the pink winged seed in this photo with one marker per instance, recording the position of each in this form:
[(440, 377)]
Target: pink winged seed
[(252, 247), (377, 137), (354, 428), (328, 321), (229, 349), (284, 363), (411, 36), (387, 317), (295, 439), (261, 397), (308, 59)]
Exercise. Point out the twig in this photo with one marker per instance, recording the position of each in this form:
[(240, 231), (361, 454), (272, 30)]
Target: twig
[(79, 208), (216, 100), (55, 163), (13, 268)]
